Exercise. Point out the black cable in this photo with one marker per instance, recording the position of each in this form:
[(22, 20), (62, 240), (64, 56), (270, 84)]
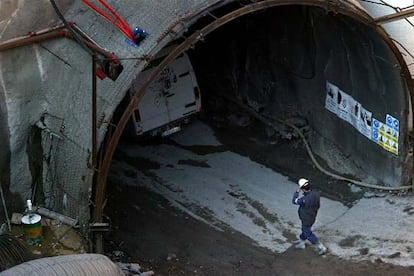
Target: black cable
[(55, 55), (67, 25)]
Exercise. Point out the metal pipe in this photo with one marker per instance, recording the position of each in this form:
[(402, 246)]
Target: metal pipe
[(35, 38), (98, 243), (395, 16), (36, 33), (27, 40), (54, 215), (94, 128)]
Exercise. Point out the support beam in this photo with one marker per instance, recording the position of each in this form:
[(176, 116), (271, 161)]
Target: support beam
[(395, 16)]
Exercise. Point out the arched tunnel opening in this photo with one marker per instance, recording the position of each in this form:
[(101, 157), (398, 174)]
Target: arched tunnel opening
[(326, 73), (285, 62)]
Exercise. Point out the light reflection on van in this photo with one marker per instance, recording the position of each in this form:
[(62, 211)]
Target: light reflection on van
[(171, 101)]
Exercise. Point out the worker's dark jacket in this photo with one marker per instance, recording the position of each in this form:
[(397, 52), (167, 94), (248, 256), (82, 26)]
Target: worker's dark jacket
[(308, 206)]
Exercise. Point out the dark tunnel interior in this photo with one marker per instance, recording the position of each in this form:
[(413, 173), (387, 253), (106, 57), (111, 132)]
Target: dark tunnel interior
[(280, 62)]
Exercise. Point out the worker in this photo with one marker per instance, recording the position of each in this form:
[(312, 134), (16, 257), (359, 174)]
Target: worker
[(309, 205)]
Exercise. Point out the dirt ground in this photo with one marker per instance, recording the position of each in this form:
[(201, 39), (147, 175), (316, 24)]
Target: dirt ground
[(146, 229)]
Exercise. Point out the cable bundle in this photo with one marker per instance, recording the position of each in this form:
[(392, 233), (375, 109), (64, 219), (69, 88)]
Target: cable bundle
[(115, 18)]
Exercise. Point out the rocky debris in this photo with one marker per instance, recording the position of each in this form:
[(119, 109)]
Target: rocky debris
[(16, 218), (171, 256), (364, 251), (354, 188), (374, 194), (409, 210), (134, 269), (239, 119), (395, 255), (118, 256), (68, 237)]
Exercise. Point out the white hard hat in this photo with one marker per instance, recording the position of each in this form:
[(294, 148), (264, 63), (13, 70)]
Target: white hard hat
[(303, 182)]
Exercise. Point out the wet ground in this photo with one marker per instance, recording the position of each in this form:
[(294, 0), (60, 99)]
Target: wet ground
[(160, 237), (148, 230)]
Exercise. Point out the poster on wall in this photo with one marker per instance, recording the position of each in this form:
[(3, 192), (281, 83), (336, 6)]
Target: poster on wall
[(364, 123), (348, 109), (331, 101), (385, 136), (345, 103), (392, 122)]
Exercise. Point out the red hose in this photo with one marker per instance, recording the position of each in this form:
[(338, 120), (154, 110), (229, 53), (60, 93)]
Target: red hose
[(118, 21)]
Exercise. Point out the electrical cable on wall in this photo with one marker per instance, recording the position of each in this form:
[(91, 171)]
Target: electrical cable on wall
[(118, 21), (111, 67), (134, 37)]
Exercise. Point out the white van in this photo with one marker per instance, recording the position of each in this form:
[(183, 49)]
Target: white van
[(170, 101)]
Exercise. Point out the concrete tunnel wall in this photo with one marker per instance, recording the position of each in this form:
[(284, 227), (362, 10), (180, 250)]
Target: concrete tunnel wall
[(51, 82), (281, 60)]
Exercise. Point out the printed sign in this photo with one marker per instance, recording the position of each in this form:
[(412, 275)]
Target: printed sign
[(351, 111), (364, 123), (385, 136), (348, 109), (392, 122), (331, 101)]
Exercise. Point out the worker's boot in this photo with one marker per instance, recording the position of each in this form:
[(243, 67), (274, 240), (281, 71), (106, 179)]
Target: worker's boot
[(320, 248), (300, 244)]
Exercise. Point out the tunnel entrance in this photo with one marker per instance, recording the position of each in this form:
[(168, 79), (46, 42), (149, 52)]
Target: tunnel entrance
[(321, 66), (278, 63)]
